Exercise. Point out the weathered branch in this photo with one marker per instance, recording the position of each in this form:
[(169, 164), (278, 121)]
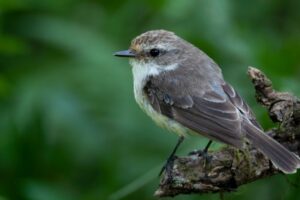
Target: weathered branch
[(230, 168)]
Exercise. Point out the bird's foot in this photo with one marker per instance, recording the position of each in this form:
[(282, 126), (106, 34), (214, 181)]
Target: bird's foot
[(168, 167), (201, 153), (205, 155)]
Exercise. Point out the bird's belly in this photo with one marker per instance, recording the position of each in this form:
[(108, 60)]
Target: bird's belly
[(158, 118)]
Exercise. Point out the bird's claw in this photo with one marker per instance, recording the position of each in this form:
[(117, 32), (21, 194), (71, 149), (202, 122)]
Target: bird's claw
[(168, 166), (204, 154)]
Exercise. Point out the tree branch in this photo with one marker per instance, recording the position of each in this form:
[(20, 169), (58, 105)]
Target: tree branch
[(230, 168)]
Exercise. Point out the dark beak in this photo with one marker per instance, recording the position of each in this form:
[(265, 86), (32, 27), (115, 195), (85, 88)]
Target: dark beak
[(125, 53)]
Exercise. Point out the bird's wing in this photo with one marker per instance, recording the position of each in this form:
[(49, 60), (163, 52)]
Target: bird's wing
[(215, 113), (239, 103)]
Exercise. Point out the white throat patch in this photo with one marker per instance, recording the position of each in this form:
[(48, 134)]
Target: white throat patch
[(142, 71)]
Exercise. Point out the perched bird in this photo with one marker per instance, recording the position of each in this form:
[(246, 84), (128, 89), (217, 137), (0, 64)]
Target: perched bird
[(183, 90)]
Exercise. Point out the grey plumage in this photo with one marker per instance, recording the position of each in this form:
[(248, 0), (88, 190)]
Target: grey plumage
[(227, 118), (183, 84)]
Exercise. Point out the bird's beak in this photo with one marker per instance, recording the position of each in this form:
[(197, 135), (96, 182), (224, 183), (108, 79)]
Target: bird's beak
[(125, 53)]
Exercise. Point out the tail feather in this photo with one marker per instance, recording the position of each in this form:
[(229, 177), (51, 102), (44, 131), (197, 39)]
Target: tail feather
[(282, 158)]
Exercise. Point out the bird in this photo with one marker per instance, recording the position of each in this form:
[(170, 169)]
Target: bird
[(183, 90)]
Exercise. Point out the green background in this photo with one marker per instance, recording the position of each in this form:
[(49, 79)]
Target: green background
[(69, 126)]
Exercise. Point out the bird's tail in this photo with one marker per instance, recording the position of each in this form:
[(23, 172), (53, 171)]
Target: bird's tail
[(282, 158)]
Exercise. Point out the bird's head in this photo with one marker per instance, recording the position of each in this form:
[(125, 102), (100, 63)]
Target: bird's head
[(157, 47)]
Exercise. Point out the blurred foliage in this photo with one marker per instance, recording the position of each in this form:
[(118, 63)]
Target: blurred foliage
[(70, 128)]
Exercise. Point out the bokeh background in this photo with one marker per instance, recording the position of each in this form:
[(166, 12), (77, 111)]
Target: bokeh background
[(69, 126)]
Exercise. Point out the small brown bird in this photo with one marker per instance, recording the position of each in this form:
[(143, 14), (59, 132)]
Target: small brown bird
[(183, 90)]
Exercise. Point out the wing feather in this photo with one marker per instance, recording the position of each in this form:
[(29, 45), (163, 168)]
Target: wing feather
[(239, 103), (209, 114)]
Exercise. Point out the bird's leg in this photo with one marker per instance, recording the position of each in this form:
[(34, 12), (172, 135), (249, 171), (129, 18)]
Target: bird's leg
[(207, 146), (169, 163), (202, 152)]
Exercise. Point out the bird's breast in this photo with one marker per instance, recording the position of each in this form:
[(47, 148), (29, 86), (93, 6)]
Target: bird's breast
[(140, 75), (157, 117)]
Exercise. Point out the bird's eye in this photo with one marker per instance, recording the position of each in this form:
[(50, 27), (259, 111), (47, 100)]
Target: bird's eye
[(154, 52)]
